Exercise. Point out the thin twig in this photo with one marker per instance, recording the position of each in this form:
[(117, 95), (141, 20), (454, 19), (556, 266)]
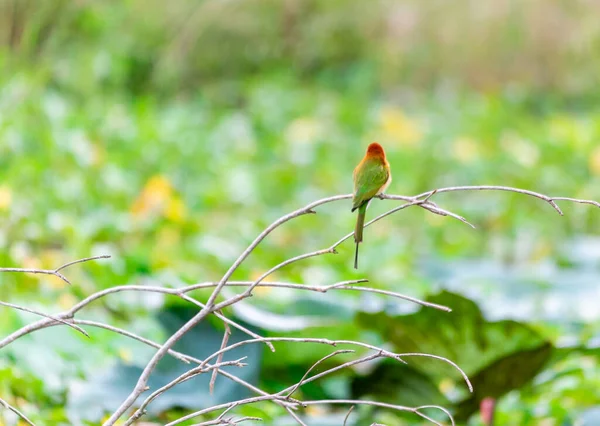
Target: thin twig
[(333, 343), (385, 405), (184, 358), (344, 285), (210, 305), (155, 289), (31, 311), (325, 358), (131, 335), (441, 358), (575, 200), (17, 412), (225, 405), (276, 397), (229, 421), (86, 259), (422, 200), (225, 412), (223, 318), (380, 354), (443, 212), (295, 416), (182, 378), (348, 414), (546, 198), (213, 377), (54, 272)]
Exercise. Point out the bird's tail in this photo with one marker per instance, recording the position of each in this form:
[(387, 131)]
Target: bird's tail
[(358, 231)]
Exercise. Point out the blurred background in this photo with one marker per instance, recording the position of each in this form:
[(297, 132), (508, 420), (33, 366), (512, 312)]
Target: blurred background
[(168, 135)]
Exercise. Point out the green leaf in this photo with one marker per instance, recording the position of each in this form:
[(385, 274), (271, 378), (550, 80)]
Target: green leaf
[(497, 356), (390, 382)]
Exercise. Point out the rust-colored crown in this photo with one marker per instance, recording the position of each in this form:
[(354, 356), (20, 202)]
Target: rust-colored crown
[(375, 150)]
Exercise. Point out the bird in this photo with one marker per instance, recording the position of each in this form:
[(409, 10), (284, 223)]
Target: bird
[(372, 176)]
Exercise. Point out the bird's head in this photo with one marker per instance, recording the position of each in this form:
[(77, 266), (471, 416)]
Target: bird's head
[(375, 150)]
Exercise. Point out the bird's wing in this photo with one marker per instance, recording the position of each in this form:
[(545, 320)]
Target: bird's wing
[(369, 177)]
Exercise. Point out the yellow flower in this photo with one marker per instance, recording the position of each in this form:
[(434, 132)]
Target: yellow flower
[(175, 210), (158, 198)]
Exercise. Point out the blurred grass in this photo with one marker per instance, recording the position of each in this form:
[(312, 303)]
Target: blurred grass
[(541, 45), (170, 135)]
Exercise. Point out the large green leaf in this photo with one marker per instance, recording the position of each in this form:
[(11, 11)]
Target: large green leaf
[(497, 356), (390, 381)]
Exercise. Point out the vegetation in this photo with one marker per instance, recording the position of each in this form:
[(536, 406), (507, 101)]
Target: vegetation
[(170, 136)]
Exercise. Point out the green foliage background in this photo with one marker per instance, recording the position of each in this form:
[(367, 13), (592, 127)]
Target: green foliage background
[(170, 135)]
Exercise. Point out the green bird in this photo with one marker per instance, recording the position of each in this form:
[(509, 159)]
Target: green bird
[(371, 177)]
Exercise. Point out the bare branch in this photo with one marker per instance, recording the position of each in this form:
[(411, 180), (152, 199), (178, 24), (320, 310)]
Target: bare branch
[(437, 407), (384, 405), (225, 412), (222, 317), (441, 358), (31, 311), (55, 272), (17, 412), (295, 416), (326, 357), (307, 340), (182, 378), (225, 405), (348, 415), (433, 208), (576, 200), (210, 305), (344, 285), (86, 259), (380, 354), (423, 200), (229, 421), (219, 358), (546, 198), (131, 335), (80, 305), (184, 358)]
